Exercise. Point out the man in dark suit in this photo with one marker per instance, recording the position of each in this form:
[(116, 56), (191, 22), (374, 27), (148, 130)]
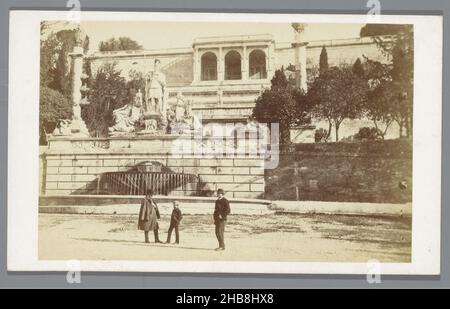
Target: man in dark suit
[(221, 211), (175, 220)]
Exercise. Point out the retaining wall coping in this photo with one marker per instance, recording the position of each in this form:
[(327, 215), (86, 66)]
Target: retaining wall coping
[(96, 199)]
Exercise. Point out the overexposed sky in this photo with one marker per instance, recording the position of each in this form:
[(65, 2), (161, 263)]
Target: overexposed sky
[(159, 35)]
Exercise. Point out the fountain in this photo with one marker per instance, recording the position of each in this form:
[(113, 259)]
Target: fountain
[(154, 143), (147, 175)]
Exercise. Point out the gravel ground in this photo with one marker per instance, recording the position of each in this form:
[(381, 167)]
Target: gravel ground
[(303, 238)]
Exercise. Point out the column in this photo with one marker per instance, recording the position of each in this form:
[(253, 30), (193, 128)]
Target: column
[(196, 68), (300, 65), (77, 126), (270, 68), (221, 66), (244, 63), (300, 55)]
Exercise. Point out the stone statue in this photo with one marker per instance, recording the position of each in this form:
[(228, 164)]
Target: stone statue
[(180, 108), (126, 117), (179, 116), (151, 126), (155, 85), (188, 109), (154, 109), (138, 100), (63, 127)]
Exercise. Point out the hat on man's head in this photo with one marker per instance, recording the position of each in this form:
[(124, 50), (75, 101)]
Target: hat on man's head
[(149, 192), (220, 191)]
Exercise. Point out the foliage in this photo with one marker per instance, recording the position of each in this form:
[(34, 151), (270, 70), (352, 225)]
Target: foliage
[(136, 81), (121, 43), (321, 135), (336, 95), (61, 73), (391, 86), (53, 106), (312, 73), (367, 133), (370, 30), (283, 104), (48, 56), (358, 68), (55, 82), (108, 92), (323, 62)]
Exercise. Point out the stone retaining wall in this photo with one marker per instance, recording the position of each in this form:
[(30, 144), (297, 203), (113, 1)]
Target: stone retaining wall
[(369, 172), (77, 172)]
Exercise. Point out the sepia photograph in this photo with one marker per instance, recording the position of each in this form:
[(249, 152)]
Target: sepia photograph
[(189, 140)]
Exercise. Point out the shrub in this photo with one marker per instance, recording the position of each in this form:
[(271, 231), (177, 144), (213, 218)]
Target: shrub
[(320, 135), (53, 106), (367, 133)]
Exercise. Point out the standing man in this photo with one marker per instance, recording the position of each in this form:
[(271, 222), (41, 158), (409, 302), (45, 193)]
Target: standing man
[(148, 216), (175, 220), (221, 211)]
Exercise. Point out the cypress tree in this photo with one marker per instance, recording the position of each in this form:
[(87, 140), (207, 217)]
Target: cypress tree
[(323, 64)]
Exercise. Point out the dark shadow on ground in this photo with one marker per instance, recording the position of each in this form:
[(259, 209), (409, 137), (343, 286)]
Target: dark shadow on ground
[(141, 243)]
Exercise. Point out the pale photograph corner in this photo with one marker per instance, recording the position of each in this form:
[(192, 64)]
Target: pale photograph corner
[(225, 141)]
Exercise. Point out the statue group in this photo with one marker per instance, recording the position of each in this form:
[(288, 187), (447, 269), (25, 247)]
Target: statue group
[(150, 113)]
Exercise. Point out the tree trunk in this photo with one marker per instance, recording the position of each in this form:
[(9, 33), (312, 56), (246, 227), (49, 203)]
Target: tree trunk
[(329, 128), (336, 127), (285, 137)]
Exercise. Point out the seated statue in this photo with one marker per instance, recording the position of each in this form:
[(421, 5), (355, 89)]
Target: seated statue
[(63, 127), (126, 117)]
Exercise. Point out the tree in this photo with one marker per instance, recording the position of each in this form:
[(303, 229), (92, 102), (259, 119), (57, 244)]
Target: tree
[(397, 82), (135, 82), (358, 68), (48, 56), (336, 95), (371, 30), (53, 107), (55, 84), (108, 92), (366, 133), (122, 43), (283, 104), (323, 62), (380, 106), (61, 73)]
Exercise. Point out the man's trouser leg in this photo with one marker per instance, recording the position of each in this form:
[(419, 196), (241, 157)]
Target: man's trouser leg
[(222, 234), (155, 231), (220, 230), (177, 235)]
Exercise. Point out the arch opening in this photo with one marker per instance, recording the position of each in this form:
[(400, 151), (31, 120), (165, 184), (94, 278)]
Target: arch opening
[(209, 66), (257, 65), (233, 66)]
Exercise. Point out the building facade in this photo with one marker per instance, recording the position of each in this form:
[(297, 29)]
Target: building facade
[(222, 76)]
